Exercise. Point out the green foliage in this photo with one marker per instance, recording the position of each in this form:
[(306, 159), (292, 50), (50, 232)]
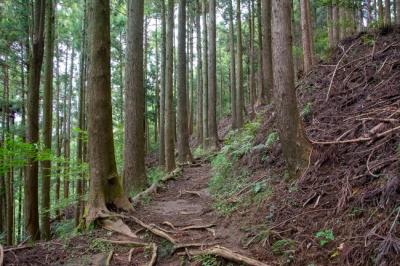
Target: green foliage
[(96, 245), (325, 236), (272, 138), (239, 142), (283, 246), (65, 229), (368, 39), (207, 260), (155, 174), (307, 110)]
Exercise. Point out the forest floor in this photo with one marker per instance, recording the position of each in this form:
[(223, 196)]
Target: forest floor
[(343, 210)]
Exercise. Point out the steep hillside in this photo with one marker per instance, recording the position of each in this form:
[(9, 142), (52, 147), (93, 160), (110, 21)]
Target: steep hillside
[(345, 208)]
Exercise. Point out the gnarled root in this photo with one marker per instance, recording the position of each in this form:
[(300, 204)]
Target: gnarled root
[(225, 253)]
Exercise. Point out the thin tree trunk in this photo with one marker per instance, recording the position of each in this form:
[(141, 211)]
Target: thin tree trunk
[(32, 129), (47, 118), (397, 12), (305, 33), (232, 65), (199, 76), (330, 26), (58, 135), (387, 13), (296, 147), (169, 96), (239, 92), (163, 85), (335, 22), (380, 13), (205, 75), (265, 95), (135, 178), (212, 78)]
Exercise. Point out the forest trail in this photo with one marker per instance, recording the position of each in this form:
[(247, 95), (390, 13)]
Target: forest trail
[(184, 203)]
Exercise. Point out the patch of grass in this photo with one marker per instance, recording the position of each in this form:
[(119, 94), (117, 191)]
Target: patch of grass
[(207, 260), (272, 138), (65, 229), (325, 236), (283, 246), (98, 246), (307, 110), (155, 174)]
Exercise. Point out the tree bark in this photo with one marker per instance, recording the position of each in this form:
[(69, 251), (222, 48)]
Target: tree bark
[(47, 118), (330, 26), (169, 97), (212, 78), (387, 13), (239, 83), (163, 83), (265, 94), (32, 129), (105, 184), (205, 76), (296, 147), (380, 13), (305, 34), (135, 179), (232, 65), (199, 76), (184, 154), (335, 22)]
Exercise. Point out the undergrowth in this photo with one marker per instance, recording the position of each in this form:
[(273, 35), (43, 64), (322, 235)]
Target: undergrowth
[(229, 184)]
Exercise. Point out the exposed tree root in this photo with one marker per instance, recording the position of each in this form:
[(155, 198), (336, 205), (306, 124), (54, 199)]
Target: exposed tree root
[(225, 253), (109, 258), (154, 255), (118, 226), (196, 227), (1, 255), (128, 243), (153, 188), (153, 229)]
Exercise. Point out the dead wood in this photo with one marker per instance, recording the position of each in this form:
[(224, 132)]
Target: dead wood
[(153, 188), (154, 255), (336, 68), (362, 139), (196, 227), (130, 254), (227, 254)]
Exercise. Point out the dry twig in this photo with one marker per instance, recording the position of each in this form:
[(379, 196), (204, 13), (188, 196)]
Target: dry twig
[(1, 255), (109, 258), (154, 255)]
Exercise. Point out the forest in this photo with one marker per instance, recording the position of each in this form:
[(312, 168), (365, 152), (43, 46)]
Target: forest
[(200, 132)]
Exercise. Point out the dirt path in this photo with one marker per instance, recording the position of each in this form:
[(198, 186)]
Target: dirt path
[(186, 202)]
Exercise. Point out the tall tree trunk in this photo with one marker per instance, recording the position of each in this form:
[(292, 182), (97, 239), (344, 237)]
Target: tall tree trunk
[(330, 26), (212, 78), (32, 129), (239, 83), (163, 83), (199, 76), (135, 178), (305, 34), (47, 118), (205, 75), (296, 147), (380, 13), (232, 65), (251, 58), (81, 119), (169, 96), (105, 184), (387, 13), (157, 99), (184, 154), (397, 12), (58, 135), (265, 95), (335, 22)]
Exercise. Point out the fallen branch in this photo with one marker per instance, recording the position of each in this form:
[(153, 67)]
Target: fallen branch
[(1, 255), (225, 253), (154, 255), (336, 69), (362, 139), (190, 193), (130, 254), (153, 188), (152, 228)]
